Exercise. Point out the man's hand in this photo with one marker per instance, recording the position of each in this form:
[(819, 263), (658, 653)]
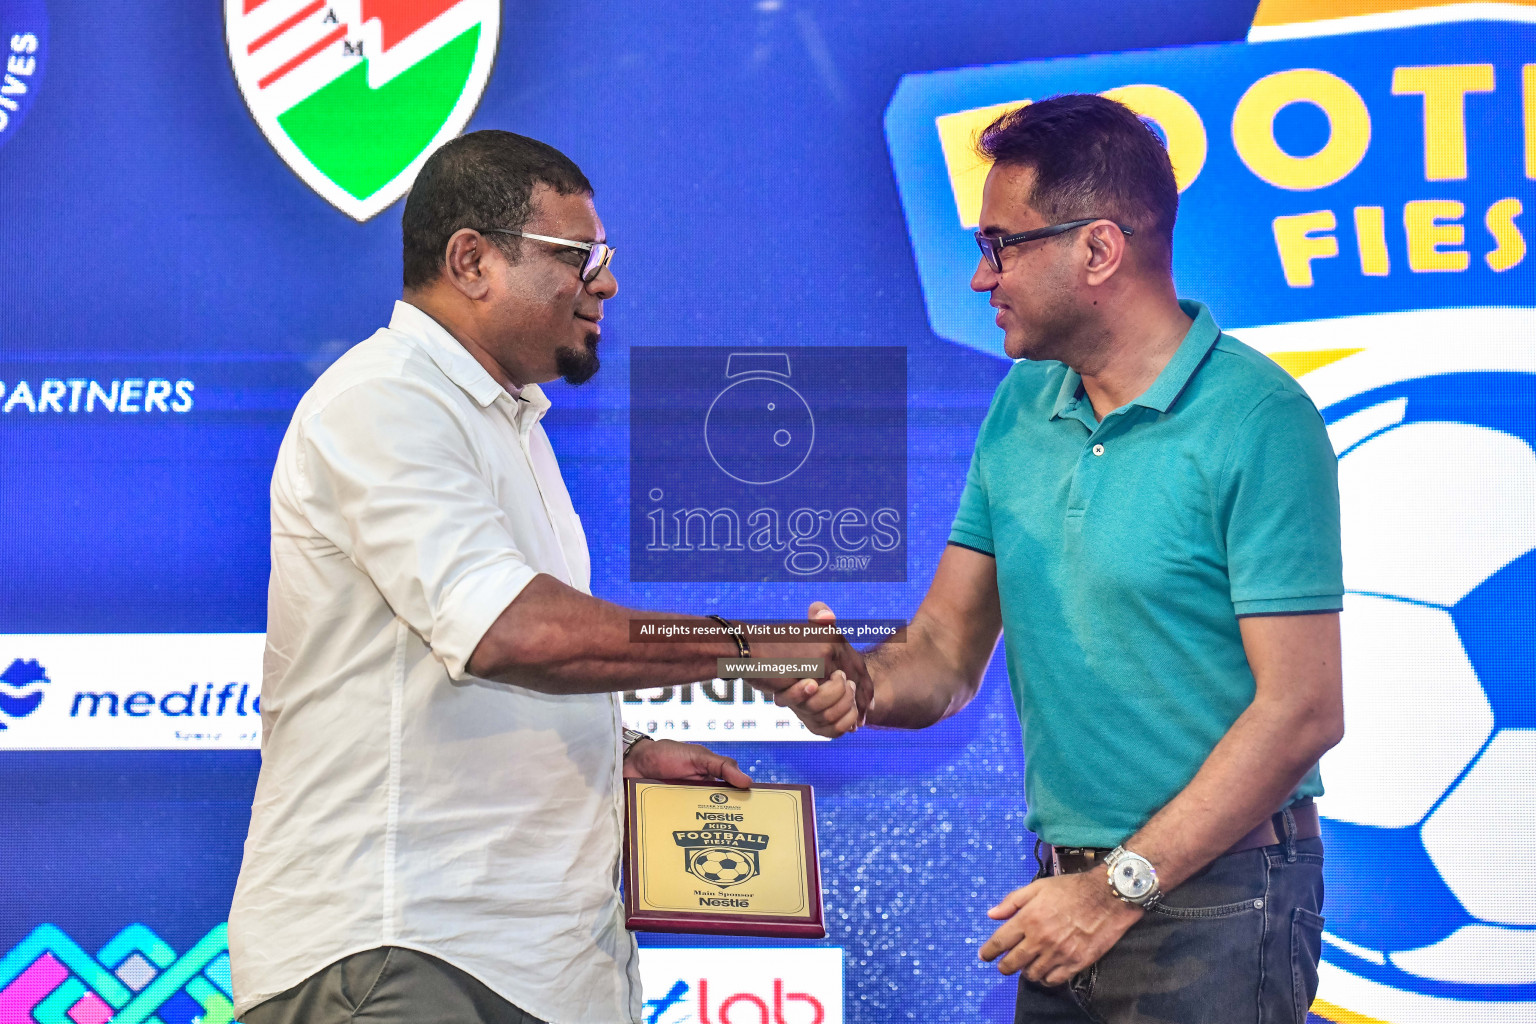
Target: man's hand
[(669, 761), (845, 671), (1057, 926), (834, 707)]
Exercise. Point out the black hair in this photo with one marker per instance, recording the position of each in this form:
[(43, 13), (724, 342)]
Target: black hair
[(481, 180), (1092, 157)]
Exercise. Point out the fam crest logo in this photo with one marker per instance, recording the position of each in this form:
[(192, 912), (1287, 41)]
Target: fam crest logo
[(355, 94), (20, 692), (721, 854), (23, 48)]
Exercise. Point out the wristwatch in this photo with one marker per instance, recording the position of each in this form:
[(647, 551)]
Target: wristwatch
[(631, 737), (1132, 878)]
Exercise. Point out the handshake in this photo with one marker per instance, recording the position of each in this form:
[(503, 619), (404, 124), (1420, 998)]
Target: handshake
[(834, 705)]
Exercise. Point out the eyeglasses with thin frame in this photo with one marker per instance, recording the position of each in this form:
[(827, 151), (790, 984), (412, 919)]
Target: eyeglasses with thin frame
[(992, 246), (598, 253)]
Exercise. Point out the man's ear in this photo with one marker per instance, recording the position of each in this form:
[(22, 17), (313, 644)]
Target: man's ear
[(1106, 251), (465, 263)]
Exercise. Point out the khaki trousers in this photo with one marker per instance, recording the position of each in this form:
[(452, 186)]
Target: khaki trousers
[(388, 985)]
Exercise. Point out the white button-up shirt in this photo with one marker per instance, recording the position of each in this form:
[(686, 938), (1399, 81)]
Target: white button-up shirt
[(403, 801)]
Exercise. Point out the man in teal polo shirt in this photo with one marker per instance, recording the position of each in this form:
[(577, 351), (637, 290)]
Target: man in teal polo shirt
[(1151, 520)]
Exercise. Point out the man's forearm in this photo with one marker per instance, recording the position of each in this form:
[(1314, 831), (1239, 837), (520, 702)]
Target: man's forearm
[(916, 684), (555, 639), (1246, 778)]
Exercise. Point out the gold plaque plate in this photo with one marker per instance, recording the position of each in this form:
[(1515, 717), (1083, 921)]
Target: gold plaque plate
[(705, 857)]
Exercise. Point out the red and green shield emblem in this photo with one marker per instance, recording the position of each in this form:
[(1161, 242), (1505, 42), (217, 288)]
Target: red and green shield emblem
[(355, 94)]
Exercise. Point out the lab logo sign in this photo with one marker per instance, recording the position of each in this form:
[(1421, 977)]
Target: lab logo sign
[(20, 689), (23, 49), (354, 95), (742, 985)]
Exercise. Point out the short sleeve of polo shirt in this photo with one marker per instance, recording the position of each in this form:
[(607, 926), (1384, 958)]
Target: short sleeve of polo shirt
[(1280, 499), (973, 522)]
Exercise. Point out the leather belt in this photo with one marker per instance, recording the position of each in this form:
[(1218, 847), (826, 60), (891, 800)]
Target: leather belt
[(1070, 860)]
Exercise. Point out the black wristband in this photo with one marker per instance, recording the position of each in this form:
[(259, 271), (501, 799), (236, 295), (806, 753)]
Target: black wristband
[(743, 649)]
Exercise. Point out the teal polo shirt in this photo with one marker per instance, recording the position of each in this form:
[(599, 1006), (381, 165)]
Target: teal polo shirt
[(1128, 549)]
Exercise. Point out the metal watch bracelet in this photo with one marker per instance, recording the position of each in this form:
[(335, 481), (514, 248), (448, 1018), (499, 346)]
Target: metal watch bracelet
[(631, 737)]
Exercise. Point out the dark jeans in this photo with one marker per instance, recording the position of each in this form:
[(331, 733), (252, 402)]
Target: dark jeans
[(388, 985), (1236, 944)]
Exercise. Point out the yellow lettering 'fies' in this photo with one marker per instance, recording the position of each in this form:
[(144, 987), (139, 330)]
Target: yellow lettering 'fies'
[(1298, 248), (1444, 88), (1422, 219), (1349, 129), (1371, 234), (1500, 220)]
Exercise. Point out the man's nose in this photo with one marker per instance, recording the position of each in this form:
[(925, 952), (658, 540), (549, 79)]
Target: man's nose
[(985, 278), (604, 285)]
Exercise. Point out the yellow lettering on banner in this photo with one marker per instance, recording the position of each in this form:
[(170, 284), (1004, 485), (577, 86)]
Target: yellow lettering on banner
[(1530, 120), (1349, 129), (1500, 220), (968, 168), (1298, 248), (1371, 238), (1179, 121), (1444, 88), (1422, 220)]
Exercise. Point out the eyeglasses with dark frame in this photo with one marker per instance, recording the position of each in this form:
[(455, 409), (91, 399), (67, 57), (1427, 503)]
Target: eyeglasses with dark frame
[(992, 246), (598, 253)]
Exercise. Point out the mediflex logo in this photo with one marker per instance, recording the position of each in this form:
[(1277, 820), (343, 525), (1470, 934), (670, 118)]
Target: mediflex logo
[(20, 692), (131, 691), (232, 699)]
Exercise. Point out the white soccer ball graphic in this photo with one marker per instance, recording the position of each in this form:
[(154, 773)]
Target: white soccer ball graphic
[(1430, 811)]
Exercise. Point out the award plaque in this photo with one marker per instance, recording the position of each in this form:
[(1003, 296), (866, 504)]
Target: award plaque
[(710, 858)]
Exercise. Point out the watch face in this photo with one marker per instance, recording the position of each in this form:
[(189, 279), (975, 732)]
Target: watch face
[(1133, 877)]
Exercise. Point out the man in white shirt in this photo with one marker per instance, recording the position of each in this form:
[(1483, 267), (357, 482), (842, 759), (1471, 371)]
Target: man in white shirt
[(436, 829)]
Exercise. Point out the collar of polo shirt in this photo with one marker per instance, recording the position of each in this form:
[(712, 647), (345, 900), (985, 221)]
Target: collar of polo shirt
[(1175, 376)]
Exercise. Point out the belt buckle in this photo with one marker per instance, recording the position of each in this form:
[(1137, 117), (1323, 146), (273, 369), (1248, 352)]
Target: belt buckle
[(1080, 852)]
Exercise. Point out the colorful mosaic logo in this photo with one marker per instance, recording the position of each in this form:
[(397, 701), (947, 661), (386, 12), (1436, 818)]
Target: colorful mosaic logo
[(136, 978)]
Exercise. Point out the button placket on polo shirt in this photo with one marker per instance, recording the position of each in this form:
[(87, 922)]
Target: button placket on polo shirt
[(1090, 462)]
